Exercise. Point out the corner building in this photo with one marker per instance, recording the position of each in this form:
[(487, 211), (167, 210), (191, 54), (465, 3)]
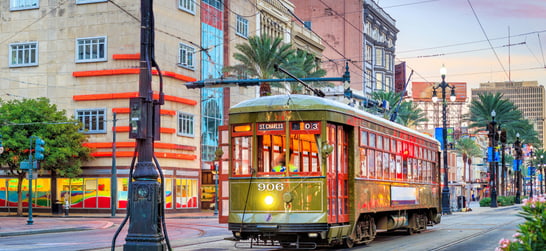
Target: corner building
[(84, 56)]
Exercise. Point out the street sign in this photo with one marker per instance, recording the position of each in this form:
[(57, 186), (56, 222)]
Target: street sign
[(26, 165)]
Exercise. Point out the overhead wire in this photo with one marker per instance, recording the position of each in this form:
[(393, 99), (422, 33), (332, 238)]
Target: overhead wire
[(489, 41)]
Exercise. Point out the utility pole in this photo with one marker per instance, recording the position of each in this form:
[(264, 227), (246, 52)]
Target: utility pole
[(145, 228)]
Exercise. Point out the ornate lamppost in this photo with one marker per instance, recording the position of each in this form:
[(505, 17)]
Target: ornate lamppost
[(446, 209), (493, 160), (531, 171), (519, 154)]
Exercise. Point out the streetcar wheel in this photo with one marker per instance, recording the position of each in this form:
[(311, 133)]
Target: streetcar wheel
[(410, 231), (349, 243)]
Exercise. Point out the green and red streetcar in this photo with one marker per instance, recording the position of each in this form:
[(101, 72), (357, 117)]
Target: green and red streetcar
[(304, 172)]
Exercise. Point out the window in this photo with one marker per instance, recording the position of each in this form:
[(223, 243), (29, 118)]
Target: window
[(89, 1), (379, 81), (93, 120), (187, 5), (185, 56), (214, 3), (369, 54), (242, 27), (24, 4), (91, 49), (23, 54), (187, 193), (185, 124), (379, 60)]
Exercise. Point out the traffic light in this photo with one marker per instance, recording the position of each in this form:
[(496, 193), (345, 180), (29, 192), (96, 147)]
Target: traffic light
[(39, 149), (503, 136)]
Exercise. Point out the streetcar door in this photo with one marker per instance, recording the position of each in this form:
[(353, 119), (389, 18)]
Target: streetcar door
[(337, 174)]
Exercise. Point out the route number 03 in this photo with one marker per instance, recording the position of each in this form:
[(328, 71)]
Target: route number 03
[(270, 187)]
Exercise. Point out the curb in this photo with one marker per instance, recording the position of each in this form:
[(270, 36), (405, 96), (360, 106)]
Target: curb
[(45, 231)]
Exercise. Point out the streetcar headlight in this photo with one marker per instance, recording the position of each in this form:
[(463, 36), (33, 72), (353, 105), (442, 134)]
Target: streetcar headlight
[(268, 200), (313, 235)]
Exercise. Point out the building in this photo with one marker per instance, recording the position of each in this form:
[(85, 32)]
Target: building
[(421, 95), (358, 31), (84, 56), (528, 96)]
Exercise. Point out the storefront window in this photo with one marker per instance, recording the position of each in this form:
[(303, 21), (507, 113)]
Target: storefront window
[(186, 193), (168, 193), (123, 191), (40, 192)]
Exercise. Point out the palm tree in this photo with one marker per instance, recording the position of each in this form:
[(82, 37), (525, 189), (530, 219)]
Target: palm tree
[(480, 111), (301, 64), (258, 58), (507, 116), (468, 148), (408, 114)]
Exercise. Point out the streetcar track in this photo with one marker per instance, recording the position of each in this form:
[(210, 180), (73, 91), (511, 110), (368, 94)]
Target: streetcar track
[(466, 238)]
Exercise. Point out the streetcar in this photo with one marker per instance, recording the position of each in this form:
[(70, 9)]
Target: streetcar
[(347, 174)]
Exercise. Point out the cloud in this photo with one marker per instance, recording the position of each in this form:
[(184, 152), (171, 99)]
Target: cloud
[(506, 8)]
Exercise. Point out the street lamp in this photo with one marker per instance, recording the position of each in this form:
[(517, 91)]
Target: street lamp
[(493, 158), (532, 154), (541, 165), (443, 85), (519, 154)]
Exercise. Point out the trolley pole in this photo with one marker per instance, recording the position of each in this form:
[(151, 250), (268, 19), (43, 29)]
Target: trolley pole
[(145, 231)]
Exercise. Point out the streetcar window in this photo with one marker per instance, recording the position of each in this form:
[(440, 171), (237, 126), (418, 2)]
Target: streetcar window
[(301, 158), (387, 144), (363, 138), (363, 164), (378, 164), (379, 142), (399, 175), (371, 163), (386, 166), (242, 158), (372, 140), (393, 145)]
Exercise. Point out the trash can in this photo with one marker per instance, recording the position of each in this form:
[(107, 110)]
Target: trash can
[(57, 207)]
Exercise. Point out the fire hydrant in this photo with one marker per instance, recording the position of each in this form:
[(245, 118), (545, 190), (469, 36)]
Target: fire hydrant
[(66, 207)]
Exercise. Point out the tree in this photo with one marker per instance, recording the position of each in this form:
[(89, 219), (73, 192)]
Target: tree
[(64, 150), (507, 116), (468, 148), (258, 58), (301, 64), (408, 114)]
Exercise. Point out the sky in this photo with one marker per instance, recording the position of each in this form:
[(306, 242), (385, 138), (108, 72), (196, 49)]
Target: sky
[(460, 34)]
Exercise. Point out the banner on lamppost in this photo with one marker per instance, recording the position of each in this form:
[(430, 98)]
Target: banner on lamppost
[(531, 171), (490, 157), (516, 165), (439, 135)]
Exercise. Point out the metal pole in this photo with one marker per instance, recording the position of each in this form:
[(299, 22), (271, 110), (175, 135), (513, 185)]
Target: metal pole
[(216, 191), (145, 229), (518, 185), (114, 181), (30, 221), (446, 208), (493, 163)]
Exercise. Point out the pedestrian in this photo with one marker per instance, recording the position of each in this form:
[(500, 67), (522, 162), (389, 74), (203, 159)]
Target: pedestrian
[(473, 197)]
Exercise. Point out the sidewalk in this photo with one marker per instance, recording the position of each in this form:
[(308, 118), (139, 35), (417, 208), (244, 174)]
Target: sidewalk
[(11, 225)]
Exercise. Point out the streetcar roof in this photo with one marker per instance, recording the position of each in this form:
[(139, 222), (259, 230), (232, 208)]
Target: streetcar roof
[(308, 102)]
